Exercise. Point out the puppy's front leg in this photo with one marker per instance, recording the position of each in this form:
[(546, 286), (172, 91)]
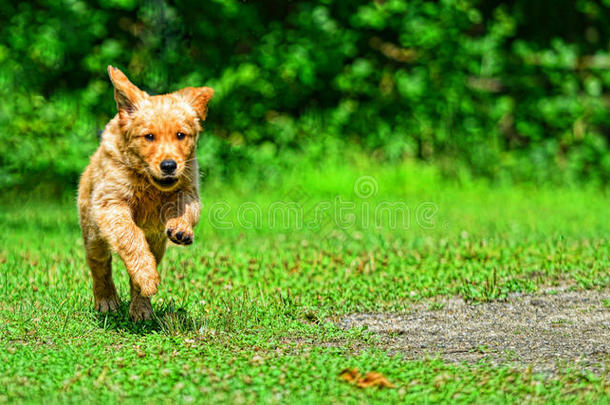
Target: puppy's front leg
[(183, 216), (128, 241)]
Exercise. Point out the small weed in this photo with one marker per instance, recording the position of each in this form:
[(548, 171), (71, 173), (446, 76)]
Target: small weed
[(436, 306)]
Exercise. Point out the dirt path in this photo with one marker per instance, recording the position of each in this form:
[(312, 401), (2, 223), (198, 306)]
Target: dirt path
[(546, 331)]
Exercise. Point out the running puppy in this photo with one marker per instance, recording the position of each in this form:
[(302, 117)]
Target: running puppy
[(140, 188)]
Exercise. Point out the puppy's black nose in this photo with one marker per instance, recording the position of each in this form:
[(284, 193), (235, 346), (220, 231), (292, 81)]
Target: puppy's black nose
[(168, 166)]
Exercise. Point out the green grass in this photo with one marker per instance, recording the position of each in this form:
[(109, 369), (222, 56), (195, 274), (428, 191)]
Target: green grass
[(245, 314)]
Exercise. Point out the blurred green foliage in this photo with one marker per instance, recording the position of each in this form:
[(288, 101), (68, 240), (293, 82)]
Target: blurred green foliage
[(513, 91)]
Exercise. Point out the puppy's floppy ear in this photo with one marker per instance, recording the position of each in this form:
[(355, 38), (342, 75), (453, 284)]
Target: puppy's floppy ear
[(126, 94), (198, 97)]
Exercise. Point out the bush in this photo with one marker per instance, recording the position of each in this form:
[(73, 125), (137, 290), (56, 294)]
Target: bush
[(507, 90)]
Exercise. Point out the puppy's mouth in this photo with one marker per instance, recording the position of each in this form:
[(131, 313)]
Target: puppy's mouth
[(165, 182)]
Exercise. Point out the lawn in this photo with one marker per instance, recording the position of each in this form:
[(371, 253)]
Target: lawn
[(248, 313)]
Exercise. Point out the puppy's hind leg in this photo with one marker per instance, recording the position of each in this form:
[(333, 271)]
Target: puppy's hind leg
[(99, 260)]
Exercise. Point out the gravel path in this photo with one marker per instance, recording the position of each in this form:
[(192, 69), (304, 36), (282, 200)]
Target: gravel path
[(547, 331)]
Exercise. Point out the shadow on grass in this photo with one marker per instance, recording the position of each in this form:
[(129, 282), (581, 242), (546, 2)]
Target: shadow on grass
[(234, 312), (168, 319)]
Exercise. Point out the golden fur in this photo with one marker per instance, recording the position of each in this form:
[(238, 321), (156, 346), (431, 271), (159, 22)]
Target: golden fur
[(126, 203)]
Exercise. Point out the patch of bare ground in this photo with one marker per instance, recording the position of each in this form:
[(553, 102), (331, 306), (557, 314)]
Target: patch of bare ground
[(549, 331)]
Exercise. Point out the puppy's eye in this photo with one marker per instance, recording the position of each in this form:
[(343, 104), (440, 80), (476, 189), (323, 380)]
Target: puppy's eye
[(149, 137), (180, 135)]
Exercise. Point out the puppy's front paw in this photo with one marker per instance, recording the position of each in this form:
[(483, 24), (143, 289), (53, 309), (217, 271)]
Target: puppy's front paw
[(147, 284), (180, 235), (140, 309)]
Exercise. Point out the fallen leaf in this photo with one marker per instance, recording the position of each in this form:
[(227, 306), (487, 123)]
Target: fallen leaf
[(370, 379), (374, 379), (350, 375)]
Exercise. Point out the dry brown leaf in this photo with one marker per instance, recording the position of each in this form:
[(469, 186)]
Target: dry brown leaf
[(374, 379), (370, 379), (352, 376)]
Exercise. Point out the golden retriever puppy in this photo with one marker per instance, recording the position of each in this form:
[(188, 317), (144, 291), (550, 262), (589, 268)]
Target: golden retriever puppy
[(140, 188)]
